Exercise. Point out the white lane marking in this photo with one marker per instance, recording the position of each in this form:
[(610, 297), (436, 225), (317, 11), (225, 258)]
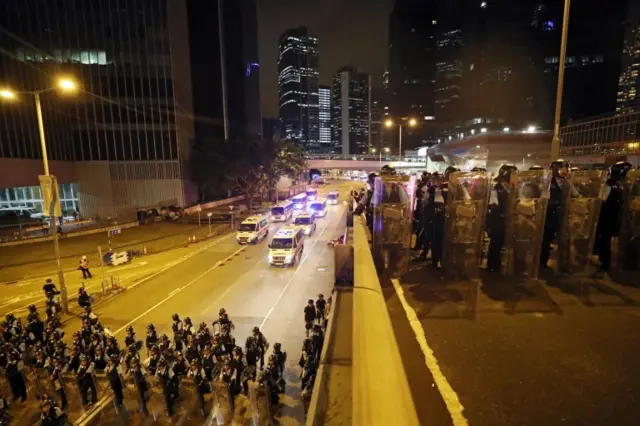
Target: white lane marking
[(178, 290), (284, 290), (166, 267), (450, 397)]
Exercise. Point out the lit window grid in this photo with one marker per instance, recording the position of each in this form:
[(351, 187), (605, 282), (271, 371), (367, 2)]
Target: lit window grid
[(611, 135)]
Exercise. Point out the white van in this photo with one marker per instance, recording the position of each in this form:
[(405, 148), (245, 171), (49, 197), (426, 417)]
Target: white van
[(287, 246), (252, 230), (307, 221), (318, 207)]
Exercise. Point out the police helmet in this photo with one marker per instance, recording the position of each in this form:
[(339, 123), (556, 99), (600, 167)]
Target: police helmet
[(187, 320), (478, 169), (372, 178), (175, 317), (203, 325), (194, 362), (310, 302), (321, 296), (237, 350), (32, 308), (449, 170), (277, 346), (161, 362), (536, 167), (256, 330), (388, 170), (250, 341), (619, 170), (222, 311), (504, 173), (49, 281)]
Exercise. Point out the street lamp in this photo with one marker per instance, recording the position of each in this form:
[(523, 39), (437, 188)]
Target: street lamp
[(411, 123), (209, 216), (555, 142), (64, 84)]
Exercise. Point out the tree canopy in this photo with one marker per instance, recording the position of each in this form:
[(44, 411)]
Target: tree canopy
[(248, 167)]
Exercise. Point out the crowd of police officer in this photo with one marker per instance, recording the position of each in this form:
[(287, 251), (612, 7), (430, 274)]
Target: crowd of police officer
[(433, 190), (206, 358)]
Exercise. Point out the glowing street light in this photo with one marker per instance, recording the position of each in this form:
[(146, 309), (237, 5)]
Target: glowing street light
[(412, 122), (7, 94), (67, 85), (388, 123)]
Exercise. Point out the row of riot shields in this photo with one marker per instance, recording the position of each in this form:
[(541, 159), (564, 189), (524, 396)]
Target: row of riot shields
[(465, 214)]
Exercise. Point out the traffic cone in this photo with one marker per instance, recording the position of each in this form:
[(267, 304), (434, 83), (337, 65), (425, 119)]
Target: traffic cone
[(194, 238)]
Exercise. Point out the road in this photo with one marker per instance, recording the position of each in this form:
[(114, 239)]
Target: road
[(500, 354), (238, 278)]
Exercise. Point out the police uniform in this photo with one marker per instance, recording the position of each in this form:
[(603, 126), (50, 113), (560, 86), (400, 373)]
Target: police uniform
[(553, 217)]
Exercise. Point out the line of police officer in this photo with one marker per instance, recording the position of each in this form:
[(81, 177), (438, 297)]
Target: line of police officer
[(198, 354), (432, 194)]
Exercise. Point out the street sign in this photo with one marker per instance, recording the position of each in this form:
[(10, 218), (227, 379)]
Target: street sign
[(50, 195), (115, 231)]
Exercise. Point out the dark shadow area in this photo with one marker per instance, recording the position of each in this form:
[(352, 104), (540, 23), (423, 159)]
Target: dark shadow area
[(518, 295)]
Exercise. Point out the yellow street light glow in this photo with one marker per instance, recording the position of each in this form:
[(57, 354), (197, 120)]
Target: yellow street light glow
[(386, 149), (7, 94), (67, 84), (388, 123), (373, 150), (412, 122)]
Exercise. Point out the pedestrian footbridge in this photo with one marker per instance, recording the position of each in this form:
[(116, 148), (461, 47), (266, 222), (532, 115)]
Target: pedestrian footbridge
[(363, 162)]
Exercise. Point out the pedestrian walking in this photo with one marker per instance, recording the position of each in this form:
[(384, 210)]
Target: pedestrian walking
[(84, 267), (309, 316), (321, 304)]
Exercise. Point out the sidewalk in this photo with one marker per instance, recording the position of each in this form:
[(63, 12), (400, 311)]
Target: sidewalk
[(37, 259)]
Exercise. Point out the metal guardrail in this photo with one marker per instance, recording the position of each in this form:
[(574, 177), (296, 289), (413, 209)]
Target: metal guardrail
[(360, 381), (365, 157)]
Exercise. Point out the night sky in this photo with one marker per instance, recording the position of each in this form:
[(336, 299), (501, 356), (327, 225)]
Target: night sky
[(349, 32)]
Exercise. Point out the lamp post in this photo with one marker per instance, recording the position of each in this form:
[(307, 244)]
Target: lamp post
[(66, 85), (411, 123), (209, 216), (555, 142)]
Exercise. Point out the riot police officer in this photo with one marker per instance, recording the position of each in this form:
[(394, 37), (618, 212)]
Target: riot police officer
[(113, 372), (167, 381), (199, 376), (152, 336), (86, 382), (609, 220), (261, 344), (496, 215), (365, 205), (440, 201), (560, 169)]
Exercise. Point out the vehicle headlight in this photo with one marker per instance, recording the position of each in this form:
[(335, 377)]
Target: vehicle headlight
[(270, 257), (289, 258)]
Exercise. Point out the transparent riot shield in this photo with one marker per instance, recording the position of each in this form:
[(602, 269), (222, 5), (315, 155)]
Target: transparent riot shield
[(222, 402), (525, 217), (392, 217), (625, 248), (465, 212), (262, 411), (582, 194)]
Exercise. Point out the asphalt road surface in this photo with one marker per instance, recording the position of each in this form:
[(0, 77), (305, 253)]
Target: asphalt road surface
[(222, 273), (502, 354)]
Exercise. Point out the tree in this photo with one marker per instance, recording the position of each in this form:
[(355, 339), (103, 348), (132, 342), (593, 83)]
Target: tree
[(246, 166)]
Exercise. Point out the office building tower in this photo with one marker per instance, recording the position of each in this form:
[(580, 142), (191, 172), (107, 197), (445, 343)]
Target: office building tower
[(351, 117), (325, 117), (628, 99), (119, 145), (223, 44), (298, 88), (412, 73)]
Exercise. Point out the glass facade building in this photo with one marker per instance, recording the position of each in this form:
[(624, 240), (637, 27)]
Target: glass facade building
[(325, 116), (298, 88), (351, 105), (125, 135)]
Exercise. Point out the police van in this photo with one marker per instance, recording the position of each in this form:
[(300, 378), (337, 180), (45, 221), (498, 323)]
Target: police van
[(318, 207), (286, 247), (332, 198), (307, 221), (252, 230)]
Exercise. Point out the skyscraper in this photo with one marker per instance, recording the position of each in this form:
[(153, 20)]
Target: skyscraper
[(351, 111), (628, 99), (298, 88), (230, 98), (412, 59), (325, 117), (123, 141)]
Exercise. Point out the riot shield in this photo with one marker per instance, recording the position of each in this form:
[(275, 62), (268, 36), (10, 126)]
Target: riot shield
[(223, 402), (465, 212), (582, 194), (392, 217), (262, 413), (525, 217), (625, 248)]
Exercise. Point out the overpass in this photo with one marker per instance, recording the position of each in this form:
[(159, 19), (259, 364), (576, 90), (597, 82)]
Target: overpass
[(363, 162)]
